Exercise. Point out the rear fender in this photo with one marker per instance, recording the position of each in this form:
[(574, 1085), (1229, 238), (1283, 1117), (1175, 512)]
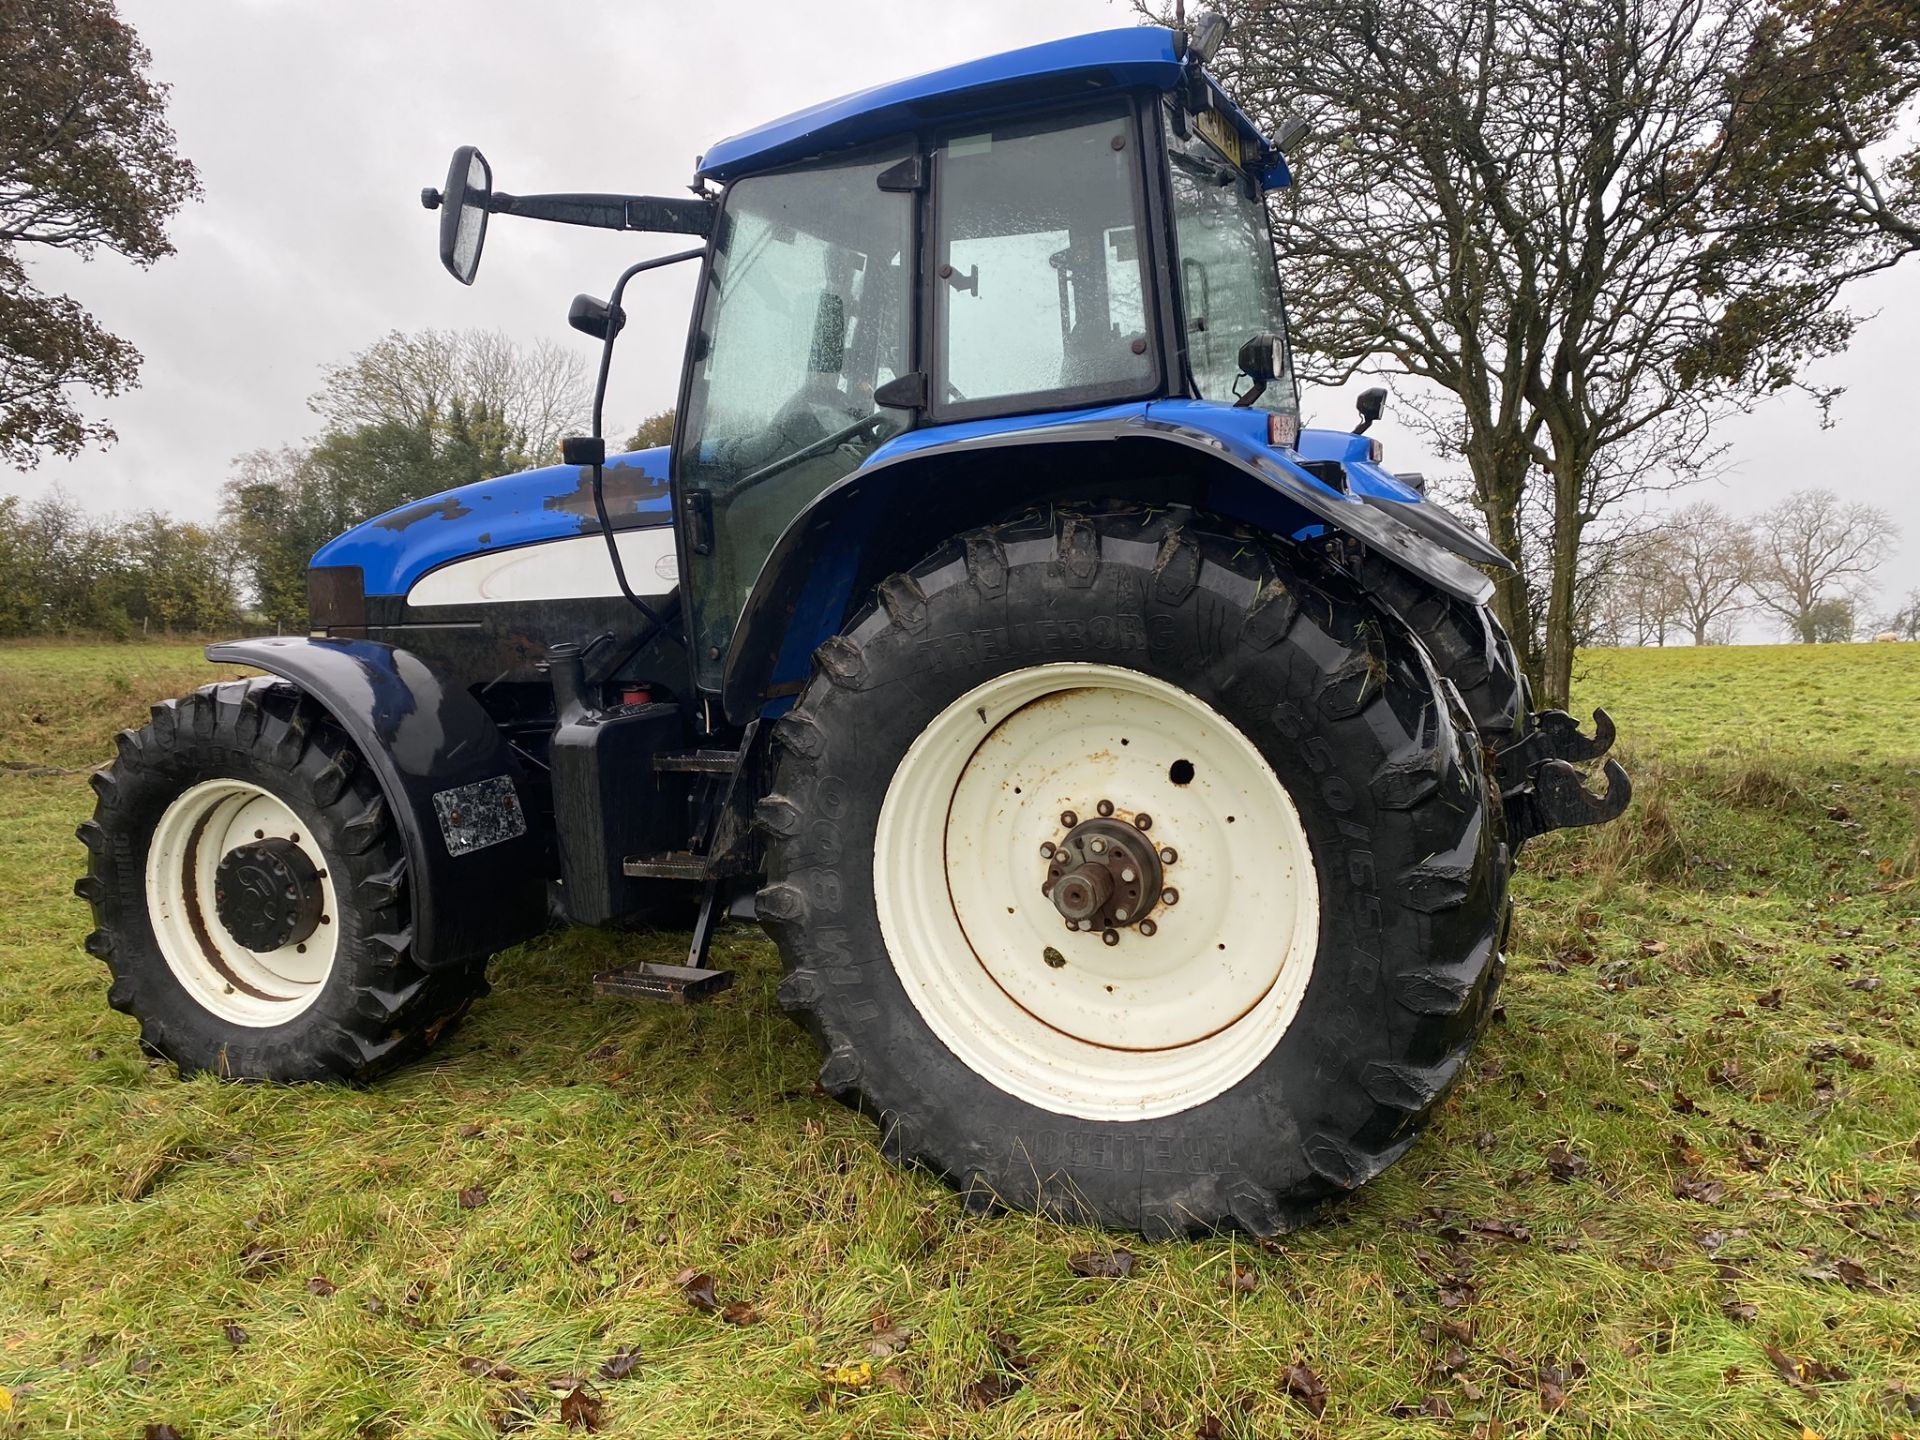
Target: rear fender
[(475, 868), (893, 512)]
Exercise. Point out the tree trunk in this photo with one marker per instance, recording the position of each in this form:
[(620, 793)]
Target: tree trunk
[(1499, 482), (1556, 659)]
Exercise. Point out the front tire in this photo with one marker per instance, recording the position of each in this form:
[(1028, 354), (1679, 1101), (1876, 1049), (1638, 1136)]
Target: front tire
[(249, 895), (1330, 948)]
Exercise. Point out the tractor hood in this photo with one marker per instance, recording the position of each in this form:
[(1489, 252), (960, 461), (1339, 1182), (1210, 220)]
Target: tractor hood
[(394, 550)]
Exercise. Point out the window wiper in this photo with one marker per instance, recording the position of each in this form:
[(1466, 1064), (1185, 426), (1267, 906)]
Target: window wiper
[(805, 452)]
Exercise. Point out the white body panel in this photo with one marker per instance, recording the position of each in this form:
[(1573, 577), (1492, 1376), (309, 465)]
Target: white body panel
[(573, 568)]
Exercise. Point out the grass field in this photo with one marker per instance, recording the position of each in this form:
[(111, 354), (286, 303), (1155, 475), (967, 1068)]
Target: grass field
[(1677, 1194)]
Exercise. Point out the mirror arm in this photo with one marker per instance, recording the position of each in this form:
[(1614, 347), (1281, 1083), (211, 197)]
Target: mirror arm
[(659, 214)]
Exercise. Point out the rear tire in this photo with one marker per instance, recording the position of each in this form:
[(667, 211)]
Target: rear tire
[(1302, 1095), (225, 766)]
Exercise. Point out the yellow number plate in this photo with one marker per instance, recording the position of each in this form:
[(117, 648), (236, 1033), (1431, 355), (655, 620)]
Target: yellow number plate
[(1221, 132)]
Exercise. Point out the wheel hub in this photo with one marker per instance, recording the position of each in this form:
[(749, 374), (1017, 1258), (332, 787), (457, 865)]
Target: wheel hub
[(1104, 874), (267, 894)]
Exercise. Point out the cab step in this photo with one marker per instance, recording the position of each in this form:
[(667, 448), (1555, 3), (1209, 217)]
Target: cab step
[(677, 865), (668, 984), (697, 762)]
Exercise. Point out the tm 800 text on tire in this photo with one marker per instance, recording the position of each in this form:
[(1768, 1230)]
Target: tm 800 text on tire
[(1129, 869)]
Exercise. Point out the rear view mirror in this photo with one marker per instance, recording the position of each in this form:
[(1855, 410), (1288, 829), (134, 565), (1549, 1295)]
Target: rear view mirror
[(464, 207)]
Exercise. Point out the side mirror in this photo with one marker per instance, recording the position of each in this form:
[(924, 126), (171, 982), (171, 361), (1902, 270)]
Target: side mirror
[(593, 316), (464, 207), (1370, 405)]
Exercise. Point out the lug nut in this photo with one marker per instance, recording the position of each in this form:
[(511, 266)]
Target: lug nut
[(1112, 937), (1143, 820), (1046, 849), (1097, 845), (1169, 896), (1069, 819), (1147, 927), (1127, 875), (1120, 915), (1105, 807), (1167, 856)]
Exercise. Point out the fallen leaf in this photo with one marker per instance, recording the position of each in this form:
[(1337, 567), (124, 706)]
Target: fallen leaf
[(740, 1312), (857, 1376), (1803, 1375), (235, 1335), (152, 1432), (895, 1378), (1306, 1387), (581, 1254), (616, 1197), (1504, 1229), (1102, 1265), (487, 1369), (1437, 1407), (990, 1390), (697, 1286), (472, 1131), (257, 1259), (1854, 1275), (620, 1364), (580, 1410), (1696, 1187), (1241, 1280), (1740, 1311), (888, 1339), (1452, 1297), (1653, 947), (1564, 1165), (516, 1411), (321, 1286), (473, 1197)]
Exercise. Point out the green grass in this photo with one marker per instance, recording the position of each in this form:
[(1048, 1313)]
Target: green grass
[(1722, 990)]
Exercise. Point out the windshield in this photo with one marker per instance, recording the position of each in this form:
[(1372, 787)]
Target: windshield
[(805, 316), (1039, 285), (1228, 284)]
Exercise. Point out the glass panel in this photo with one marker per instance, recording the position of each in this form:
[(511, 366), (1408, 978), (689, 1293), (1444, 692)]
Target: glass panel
[(1040, 285), (1227, 278), (806, 315)]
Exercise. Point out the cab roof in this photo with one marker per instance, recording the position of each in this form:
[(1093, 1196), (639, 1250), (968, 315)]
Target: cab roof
[(1108, 60)]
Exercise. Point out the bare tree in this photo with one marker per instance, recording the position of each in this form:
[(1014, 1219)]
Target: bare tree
[(1712, 560), (1639, 599), (1816, 549), (1592, 226), (541, 394), (1904, 620)]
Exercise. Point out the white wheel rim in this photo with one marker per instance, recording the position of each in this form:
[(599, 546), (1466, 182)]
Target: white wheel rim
[(1150, 1026), (222, 975)]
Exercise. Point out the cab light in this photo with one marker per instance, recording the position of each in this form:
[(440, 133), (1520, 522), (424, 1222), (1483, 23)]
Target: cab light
[(1376, 452), (1283, 431)]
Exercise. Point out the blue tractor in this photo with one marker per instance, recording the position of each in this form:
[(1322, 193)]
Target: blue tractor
[(1129, 777)]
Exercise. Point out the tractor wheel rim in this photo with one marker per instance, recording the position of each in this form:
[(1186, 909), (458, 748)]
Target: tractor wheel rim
[(1129, 1020), (201, 827)]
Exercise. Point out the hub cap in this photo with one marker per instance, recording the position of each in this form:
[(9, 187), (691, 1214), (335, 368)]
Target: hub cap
[(241, 902), (1096, 892)]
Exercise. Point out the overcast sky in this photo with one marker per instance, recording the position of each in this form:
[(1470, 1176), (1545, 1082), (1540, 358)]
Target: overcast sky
[(315, 126)]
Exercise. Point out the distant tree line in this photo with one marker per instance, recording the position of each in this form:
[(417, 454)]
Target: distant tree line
[(406, 417), (1699, 573)]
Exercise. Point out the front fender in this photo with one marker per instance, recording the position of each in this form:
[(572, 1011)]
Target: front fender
[(925, 487), (474, 879)]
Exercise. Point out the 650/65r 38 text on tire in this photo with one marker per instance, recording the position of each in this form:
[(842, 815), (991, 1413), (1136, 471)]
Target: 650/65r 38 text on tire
[(1132, 870), (249, 895)]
